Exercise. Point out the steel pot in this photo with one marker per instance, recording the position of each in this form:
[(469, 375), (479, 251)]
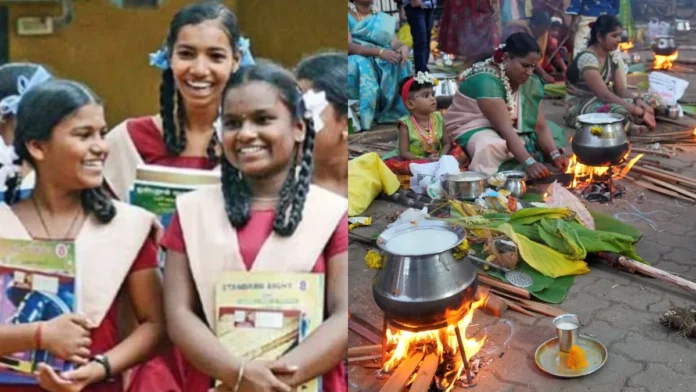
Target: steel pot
[(515, 183), (600, 139), (423, 289), (463, 186), (664, 45), (624, 36), (673, 112)]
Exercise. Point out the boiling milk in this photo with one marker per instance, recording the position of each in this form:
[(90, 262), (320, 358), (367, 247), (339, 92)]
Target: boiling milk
[(422, 242), (567, 326)]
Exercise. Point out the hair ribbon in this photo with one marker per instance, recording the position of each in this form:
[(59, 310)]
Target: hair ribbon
[(10, 104)]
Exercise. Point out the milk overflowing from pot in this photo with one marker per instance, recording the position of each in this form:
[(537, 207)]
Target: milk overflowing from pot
[(422, 242)]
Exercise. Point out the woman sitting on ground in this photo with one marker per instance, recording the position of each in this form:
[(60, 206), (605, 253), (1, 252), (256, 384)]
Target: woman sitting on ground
[(497, 117), (594, 83), (377, 61)]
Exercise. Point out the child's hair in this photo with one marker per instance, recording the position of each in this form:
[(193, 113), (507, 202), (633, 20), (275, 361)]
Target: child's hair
[(10, 74), (328, 72), (40, 110), (604, 25), (170, 99), (294, 192), (415, 86)]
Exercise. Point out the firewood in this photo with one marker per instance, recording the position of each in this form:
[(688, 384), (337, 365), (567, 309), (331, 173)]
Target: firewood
[(670, 121), (425, 374), (680, 178), (517, 308), (364, 358), (664, 175), (363, 350), (651, 152), (656, 188), (493, 304), (508, 288), (534, 306), (668, 186), (364, 329), (648, 270), (400, 377)]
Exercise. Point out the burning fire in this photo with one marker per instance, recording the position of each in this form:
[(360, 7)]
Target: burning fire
[(665, 62), (445, 345), (586, 174), (625, 46)]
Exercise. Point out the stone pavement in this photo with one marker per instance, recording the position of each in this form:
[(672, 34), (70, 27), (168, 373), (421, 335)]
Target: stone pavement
[(615, 307)]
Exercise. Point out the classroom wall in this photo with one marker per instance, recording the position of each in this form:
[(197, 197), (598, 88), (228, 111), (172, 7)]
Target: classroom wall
[(107, 47)]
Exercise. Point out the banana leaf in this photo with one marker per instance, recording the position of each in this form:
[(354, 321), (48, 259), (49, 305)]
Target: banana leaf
[(562, 236), (613, 225), (531, 215)]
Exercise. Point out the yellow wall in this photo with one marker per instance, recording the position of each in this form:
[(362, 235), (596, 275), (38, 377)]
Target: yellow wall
[(107, 47)]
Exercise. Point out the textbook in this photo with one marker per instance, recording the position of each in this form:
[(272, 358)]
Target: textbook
[(37, 283), (264, 315)]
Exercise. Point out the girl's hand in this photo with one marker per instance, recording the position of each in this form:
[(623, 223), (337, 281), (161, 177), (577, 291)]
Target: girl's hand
[(645, 106), (73, 381), (390, 56), (404, 51), (260, 376), (649, 120), (637, 111), (68, 337)]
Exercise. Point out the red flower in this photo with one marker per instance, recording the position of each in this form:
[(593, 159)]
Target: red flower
[(498, 56)]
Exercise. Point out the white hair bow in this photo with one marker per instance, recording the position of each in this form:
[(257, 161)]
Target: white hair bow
[(10, 104), (315, 103), (8, 169)]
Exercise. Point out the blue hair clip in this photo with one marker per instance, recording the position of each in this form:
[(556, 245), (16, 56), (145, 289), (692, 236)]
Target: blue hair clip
[(10, 104), (160, 59), (244, 46)]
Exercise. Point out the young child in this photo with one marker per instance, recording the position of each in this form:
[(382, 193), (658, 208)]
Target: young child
[(421, 136), (558, 64)]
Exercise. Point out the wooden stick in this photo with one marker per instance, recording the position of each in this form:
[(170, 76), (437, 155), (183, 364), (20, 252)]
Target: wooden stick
[(425, 374), (398, 380), (538, 307), (655, 188), (362, 350), (654, 172), (517, 308), (650, 271), (651, 152), (679, 177), (359, 238), (493, 304), (365, 358), (669, 186), (670, 121), (517, 291)]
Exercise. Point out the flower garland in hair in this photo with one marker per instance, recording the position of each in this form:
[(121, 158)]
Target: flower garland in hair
[(498, 60), (351, 6), (425, 77)]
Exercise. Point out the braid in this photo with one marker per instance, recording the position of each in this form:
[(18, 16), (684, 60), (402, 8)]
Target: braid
[(237, 195), (288, 219), (212, 154), (98, 202), (12, 191), (180, 124), (167, 91)]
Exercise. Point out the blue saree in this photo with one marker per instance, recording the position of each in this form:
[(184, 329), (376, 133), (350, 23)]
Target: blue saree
[(372, 80)]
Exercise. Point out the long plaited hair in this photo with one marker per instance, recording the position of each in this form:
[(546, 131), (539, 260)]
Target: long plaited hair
[(40, 110), (294, 192), (172, 108)]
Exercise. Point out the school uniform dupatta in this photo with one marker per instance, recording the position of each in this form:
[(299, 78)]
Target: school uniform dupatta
[(104, 254), (121, 166), (212, 245)]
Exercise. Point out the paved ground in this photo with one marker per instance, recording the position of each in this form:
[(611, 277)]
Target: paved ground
[(617, 308)]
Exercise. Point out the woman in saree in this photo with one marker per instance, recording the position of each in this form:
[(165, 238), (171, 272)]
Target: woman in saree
[(469, 28), (377, 62), (266, 216), (497, 115), (594, 84), (60, 132)]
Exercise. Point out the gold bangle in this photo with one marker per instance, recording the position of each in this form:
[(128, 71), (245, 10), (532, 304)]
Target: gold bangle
[(240, 376)]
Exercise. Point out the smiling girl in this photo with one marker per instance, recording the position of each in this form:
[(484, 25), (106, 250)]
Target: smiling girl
[(265, 217), (201, 51), (60, 132)]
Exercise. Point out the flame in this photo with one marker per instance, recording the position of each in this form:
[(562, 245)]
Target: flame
[(665, 62), (586, 174), (444, 339), (625, 46)]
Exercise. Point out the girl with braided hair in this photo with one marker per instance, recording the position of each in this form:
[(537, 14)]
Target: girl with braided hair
[(266, 216), (201, 50), (60, 132)]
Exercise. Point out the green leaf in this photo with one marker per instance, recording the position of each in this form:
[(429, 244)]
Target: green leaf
[(530, 215), (561, 236), (613, 225)]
